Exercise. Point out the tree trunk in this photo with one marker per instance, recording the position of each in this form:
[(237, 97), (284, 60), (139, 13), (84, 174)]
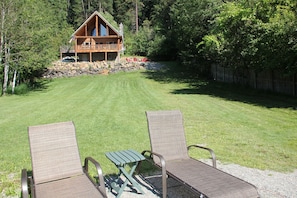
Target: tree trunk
[(14, 81), (2, 43), (83, 8), (136, 17), (6, 69)]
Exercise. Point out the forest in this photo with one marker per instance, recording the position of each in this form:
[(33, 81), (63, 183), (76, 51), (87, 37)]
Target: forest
[(255, 34)]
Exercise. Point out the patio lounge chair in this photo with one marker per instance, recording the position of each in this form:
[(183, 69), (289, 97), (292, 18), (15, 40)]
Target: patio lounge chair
[(170, 153), (56, 166)]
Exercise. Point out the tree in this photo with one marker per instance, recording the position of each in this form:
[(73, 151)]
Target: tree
[(39, 36), (30, 38), (260, 35), (8, 14), (143, 40), (164, 38), (125, 12), (76, 13), (191, 21)]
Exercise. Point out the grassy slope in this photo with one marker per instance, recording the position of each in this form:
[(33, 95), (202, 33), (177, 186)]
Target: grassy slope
[(244, 128)]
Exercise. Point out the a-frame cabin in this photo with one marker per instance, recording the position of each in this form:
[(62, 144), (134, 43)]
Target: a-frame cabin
[(96, 40)]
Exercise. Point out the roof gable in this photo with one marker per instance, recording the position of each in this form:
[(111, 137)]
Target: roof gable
[(91, 25)]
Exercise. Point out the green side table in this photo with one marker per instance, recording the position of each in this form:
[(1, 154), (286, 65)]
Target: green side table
[(121, 159)]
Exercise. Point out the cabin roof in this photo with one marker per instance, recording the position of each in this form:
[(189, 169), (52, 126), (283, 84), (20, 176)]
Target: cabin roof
[(100, 16)]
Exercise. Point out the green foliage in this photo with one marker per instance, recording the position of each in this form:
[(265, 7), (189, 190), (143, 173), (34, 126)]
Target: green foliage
[(148, 9), (256, 34), (20, 89), (37, 32), (143, 40), (34, 36), (210, 46), (158, 48), (192, 20), (125, 12), (75, 15), (163, 29)]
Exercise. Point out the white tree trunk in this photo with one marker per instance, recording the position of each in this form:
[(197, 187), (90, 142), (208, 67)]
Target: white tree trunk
[(6, 68), (4, 89), (14, 81), (5, 80)]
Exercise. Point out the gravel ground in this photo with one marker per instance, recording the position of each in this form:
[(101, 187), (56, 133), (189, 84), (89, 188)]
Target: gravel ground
[(270, 184)]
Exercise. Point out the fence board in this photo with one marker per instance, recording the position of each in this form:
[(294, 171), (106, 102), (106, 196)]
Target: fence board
[(273, 81)]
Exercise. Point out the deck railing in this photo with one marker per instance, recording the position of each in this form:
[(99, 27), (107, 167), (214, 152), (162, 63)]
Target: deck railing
[(99, 47)]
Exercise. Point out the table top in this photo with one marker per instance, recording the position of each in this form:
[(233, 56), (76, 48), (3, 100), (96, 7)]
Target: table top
[(120, 158)]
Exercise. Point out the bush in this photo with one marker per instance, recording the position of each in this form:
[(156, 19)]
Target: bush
[(19, 90)]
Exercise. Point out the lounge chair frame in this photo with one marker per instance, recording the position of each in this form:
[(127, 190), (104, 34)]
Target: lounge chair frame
[(163, 166), (163, 122)]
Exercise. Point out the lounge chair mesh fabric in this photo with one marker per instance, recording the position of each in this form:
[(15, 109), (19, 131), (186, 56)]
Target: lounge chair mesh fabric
[(54, 154), (167, 138), (79, 186), (56, 164)]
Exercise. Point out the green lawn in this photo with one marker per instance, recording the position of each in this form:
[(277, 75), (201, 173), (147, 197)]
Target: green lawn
[(242, 126)]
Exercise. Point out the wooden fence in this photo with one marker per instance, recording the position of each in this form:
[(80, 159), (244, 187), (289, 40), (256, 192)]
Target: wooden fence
[(267, 80)]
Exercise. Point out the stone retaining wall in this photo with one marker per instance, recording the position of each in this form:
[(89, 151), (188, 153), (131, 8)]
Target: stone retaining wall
[(70, 69)]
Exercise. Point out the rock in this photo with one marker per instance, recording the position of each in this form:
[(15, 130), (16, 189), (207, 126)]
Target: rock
[(70, 69)]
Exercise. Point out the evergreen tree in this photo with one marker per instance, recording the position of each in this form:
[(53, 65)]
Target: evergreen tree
[(76, 13)]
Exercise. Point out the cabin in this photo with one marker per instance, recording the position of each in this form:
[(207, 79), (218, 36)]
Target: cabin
[(95, 40)]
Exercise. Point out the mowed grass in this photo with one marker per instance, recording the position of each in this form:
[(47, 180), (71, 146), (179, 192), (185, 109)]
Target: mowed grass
[(242, 126)]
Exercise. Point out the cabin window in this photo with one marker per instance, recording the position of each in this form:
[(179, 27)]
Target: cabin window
[(102, 30), (94, 32)]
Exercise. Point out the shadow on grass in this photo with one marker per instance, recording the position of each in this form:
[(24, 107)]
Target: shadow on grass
[(40, 85), (26, 88), (232, 92)]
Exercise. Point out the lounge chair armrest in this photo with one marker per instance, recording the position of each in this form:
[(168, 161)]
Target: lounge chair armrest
[(99, 172), (213, 156), (162, 160), (24, 183), (163, 166)]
